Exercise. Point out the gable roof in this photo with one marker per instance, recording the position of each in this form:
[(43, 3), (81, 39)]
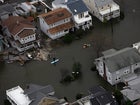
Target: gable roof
[(15, 24), (76, 6), (6, 9), (26, 32), (100, 3), (122, 58), (57, 2), (56, 15), (61, 27), (37, 92)]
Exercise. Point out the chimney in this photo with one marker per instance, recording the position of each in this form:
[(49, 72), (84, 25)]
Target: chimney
[(17, 22)]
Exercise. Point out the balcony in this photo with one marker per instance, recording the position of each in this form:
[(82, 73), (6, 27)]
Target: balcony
[(83, 19)]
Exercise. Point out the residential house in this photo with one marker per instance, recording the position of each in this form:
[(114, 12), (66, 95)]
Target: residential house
[(7, 10), (98, 96), (56, 23), (118, 66), (132, 91), (25, 8), (33, 95), (79, 11), (22, 32), (104, 10)]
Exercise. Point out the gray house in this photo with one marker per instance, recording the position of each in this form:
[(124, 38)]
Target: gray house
[(119, 66), (7, 10), (99, 96)]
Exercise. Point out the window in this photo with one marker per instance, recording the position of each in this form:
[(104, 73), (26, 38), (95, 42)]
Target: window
[(81, 15), (65, 30)]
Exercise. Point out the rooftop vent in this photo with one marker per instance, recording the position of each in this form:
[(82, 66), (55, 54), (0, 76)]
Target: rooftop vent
[(75, 10)]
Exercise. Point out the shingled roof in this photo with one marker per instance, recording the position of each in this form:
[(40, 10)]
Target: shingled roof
[(121, 59), (15, 24), (76, 6), (56, 15), (37, 92)]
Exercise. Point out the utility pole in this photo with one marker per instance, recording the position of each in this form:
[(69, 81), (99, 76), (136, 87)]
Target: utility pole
[(111, 22)]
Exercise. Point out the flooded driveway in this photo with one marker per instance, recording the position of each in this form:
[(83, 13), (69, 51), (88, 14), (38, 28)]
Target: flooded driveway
[(125, 33)]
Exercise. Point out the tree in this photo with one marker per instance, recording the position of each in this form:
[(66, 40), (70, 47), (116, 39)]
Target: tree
[(65, 76), (68, 38), (118, 95)]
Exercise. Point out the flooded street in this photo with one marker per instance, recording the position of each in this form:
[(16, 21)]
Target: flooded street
[(125, 33)]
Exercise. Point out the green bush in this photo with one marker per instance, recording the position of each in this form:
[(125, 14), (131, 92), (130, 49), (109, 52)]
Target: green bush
[(118, 95), (68, 38)]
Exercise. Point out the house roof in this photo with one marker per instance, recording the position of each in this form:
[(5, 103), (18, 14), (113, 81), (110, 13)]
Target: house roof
[(57, 2), (61, 27), (100, 3), (122, 58), (15, 24), (99, 96), (6, 9), (26, 32), (76, 6), (56, 15), (17, 96), (37, 92)]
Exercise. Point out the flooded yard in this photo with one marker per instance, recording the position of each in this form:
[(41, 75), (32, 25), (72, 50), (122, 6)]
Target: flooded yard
[(125, 33)]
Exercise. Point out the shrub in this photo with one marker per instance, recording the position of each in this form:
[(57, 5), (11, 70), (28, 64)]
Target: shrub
[(68, 38)]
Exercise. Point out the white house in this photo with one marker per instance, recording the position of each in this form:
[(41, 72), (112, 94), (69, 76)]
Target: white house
[(22, 32), (56, 23), (32, 95), (104, 10), (79, 11), (119, 66), (16, 96), (25, 8)]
